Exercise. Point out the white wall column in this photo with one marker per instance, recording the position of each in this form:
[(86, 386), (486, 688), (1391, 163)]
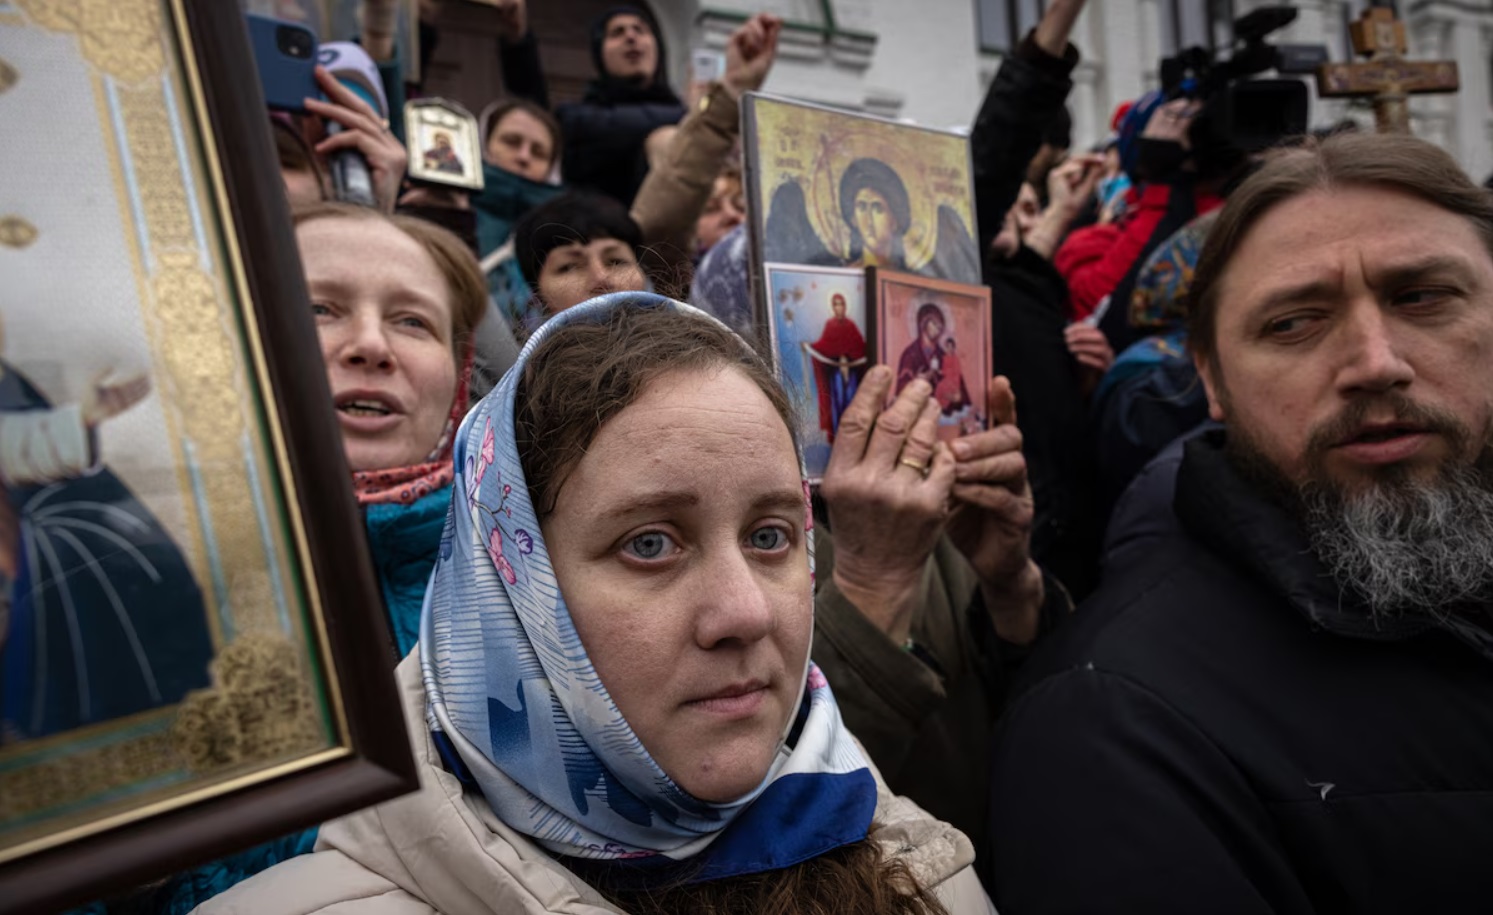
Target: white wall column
[(1471, 106)]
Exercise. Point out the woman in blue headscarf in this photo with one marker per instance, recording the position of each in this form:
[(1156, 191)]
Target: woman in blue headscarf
[(612, 700)]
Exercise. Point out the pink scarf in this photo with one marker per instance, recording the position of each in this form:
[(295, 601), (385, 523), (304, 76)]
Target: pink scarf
[(407, 485)]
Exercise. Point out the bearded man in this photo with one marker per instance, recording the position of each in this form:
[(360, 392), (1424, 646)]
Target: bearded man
[(1288, 706)]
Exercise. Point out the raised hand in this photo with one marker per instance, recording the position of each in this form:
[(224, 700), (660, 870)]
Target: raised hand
[(111, 394), (1090, 347), (513, 19), (364, 131), (887, 487), (750, 52), (1070, 185)]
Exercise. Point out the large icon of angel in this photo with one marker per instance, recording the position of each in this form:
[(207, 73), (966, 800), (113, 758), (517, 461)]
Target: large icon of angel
[(876, 221), (833, 188)]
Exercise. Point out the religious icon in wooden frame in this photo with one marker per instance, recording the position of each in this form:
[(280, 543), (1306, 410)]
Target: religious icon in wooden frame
[(832, 188), (443, 146), (192, 653), (937, 331), (816, 323)]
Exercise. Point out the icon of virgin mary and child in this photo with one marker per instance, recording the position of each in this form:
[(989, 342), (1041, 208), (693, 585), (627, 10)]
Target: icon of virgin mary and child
[(934, 358), (875, 207)]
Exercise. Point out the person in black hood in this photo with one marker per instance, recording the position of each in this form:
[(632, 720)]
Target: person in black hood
[(607, 131)]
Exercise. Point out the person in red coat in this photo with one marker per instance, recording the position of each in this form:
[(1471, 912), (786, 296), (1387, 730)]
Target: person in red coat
[(1096, 260)]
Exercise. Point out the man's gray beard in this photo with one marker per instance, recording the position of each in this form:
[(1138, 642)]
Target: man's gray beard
[(1407, 547), (1398, 545)]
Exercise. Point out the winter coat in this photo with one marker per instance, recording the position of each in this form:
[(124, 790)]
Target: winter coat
[(1143, 517), (404, 541), (1221, 729), (604, 142), (674, 194), (442, 849), (1151, 395), (1102, 262), (925, 714), (503, 201)]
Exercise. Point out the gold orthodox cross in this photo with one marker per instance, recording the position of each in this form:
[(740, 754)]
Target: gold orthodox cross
[(1386, 77)]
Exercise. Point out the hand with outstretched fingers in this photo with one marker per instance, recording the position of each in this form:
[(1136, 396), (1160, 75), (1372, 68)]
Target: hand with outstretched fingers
[(888, 491)]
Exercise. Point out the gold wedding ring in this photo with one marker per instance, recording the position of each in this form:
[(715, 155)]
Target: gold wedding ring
[(920, 468)]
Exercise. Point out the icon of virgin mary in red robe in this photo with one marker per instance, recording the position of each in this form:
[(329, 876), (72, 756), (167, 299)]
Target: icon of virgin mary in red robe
[(839, 360)]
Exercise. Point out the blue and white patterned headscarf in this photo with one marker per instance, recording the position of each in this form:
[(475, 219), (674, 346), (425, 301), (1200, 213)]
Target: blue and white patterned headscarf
[(512, 691)]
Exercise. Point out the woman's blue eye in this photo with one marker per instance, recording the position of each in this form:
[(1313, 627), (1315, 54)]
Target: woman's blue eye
[(769, 538), (648, 546)]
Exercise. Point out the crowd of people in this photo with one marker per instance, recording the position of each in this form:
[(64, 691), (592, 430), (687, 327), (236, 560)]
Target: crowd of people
[(1204, 626)]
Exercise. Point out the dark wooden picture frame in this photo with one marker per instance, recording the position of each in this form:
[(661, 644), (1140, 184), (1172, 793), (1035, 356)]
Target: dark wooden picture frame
[(377, 764)]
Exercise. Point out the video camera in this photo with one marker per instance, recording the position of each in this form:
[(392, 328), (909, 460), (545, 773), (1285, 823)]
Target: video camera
[(1243, 113)]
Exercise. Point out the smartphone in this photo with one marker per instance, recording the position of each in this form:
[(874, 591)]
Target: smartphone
[(285, 55)]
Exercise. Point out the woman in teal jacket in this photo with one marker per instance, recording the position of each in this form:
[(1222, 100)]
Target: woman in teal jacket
[(521, 144)]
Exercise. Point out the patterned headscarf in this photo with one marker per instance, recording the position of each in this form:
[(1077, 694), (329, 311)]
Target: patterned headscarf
[(1159, 300), (513, 694)]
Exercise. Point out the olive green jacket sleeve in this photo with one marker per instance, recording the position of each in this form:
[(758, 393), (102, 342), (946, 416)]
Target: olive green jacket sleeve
[(886, 692), (926, 713), (677, 188)]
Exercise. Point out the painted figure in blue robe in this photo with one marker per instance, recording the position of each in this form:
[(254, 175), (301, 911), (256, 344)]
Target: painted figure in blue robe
[(100, 616)]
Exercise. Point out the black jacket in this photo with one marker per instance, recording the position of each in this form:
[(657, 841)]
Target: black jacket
[(1027, 94), (1029, 300), (1220, 731), (604, 144), (1028, 314)]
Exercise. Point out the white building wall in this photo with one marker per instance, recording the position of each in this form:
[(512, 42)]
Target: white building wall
[(920, 59)]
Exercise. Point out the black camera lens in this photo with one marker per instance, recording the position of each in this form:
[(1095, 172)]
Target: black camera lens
[(295, 41)]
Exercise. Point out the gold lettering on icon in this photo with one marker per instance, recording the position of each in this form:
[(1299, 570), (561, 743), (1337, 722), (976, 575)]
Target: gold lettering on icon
[(16, 232)]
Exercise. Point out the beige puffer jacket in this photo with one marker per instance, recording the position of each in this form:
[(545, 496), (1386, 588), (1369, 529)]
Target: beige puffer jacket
[(441, 850)]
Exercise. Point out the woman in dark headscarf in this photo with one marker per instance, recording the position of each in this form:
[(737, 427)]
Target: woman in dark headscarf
[(630, 98)]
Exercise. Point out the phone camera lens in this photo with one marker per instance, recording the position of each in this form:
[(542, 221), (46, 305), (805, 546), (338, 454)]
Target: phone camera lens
[(294, 42)]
